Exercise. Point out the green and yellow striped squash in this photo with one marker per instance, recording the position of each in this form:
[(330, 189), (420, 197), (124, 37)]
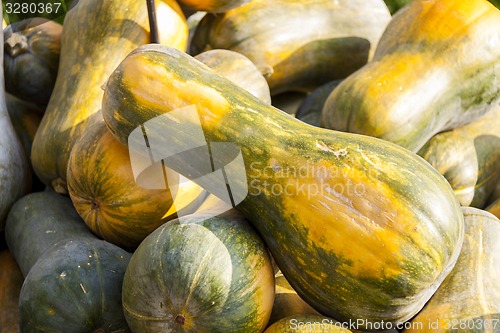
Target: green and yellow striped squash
[(435, 68), (89, 53), (202, 274), (469, 158), (469, 298), (309, 189), (297, 45), (105, 193)]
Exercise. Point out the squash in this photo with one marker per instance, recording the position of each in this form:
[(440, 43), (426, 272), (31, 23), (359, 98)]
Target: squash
[(31, 59), (297, 45), (239, 69), (104, 191), (117, 28), (305, 189), (289, 101), (212, 6), (75, 287), (11, 280), (202, 273), (286, 301), (469, 298), (306, 323), (311, 108), (15, 177), (36, 222), (469, 158), (435, 69)]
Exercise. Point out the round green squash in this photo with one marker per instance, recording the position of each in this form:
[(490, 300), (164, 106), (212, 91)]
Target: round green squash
[(202, 274), (306, 323), (468, 300), (31, 59), (469, 158), (75, 287), (434, 69), (304, 188), (105, 193), (39, 220), (297, 45)]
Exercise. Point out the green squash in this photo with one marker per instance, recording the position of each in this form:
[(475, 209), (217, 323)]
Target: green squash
[(31, 59), (75, 287), (297, 45), (97, 35), (469, 158), (435, 69), (469, 299), (306, 323), (311, 108), (39, 220), (202, 273), (305, 189), (239, 69), (15, 176)]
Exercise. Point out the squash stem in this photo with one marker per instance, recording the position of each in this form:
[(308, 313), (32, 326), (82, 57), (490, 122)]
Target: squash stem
[(153, 23)]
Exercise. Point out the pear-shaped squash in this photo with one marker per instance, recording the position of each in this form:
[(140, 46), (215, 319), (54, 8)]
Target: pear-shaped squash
[(46, 217), (297, 45), (469, 158), (31, 59), (15, 176), (202, 274), (105, 193), (89, 53), (469, 298), (435, 69), (306, 189)]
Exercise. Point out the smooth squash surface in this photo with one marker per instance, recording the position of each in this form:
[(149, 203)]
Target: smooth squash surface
[(309, 189)]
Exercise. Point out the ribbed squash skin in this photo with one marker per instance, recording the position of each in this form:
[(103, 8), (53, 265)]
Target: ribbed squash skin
[(297, 45), (469, 158), (469, 298), (306, 323), (203, 274), (310, 189), (32, 49), (36, 222), (435, 68), (75, 287), (212, 6), (105, 194), (11, 280), (15, 176), (239, 69), (117, 28)]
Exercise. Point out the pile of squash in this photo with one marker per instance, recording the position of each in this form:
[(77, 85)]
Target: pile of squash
[(251, 166)]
